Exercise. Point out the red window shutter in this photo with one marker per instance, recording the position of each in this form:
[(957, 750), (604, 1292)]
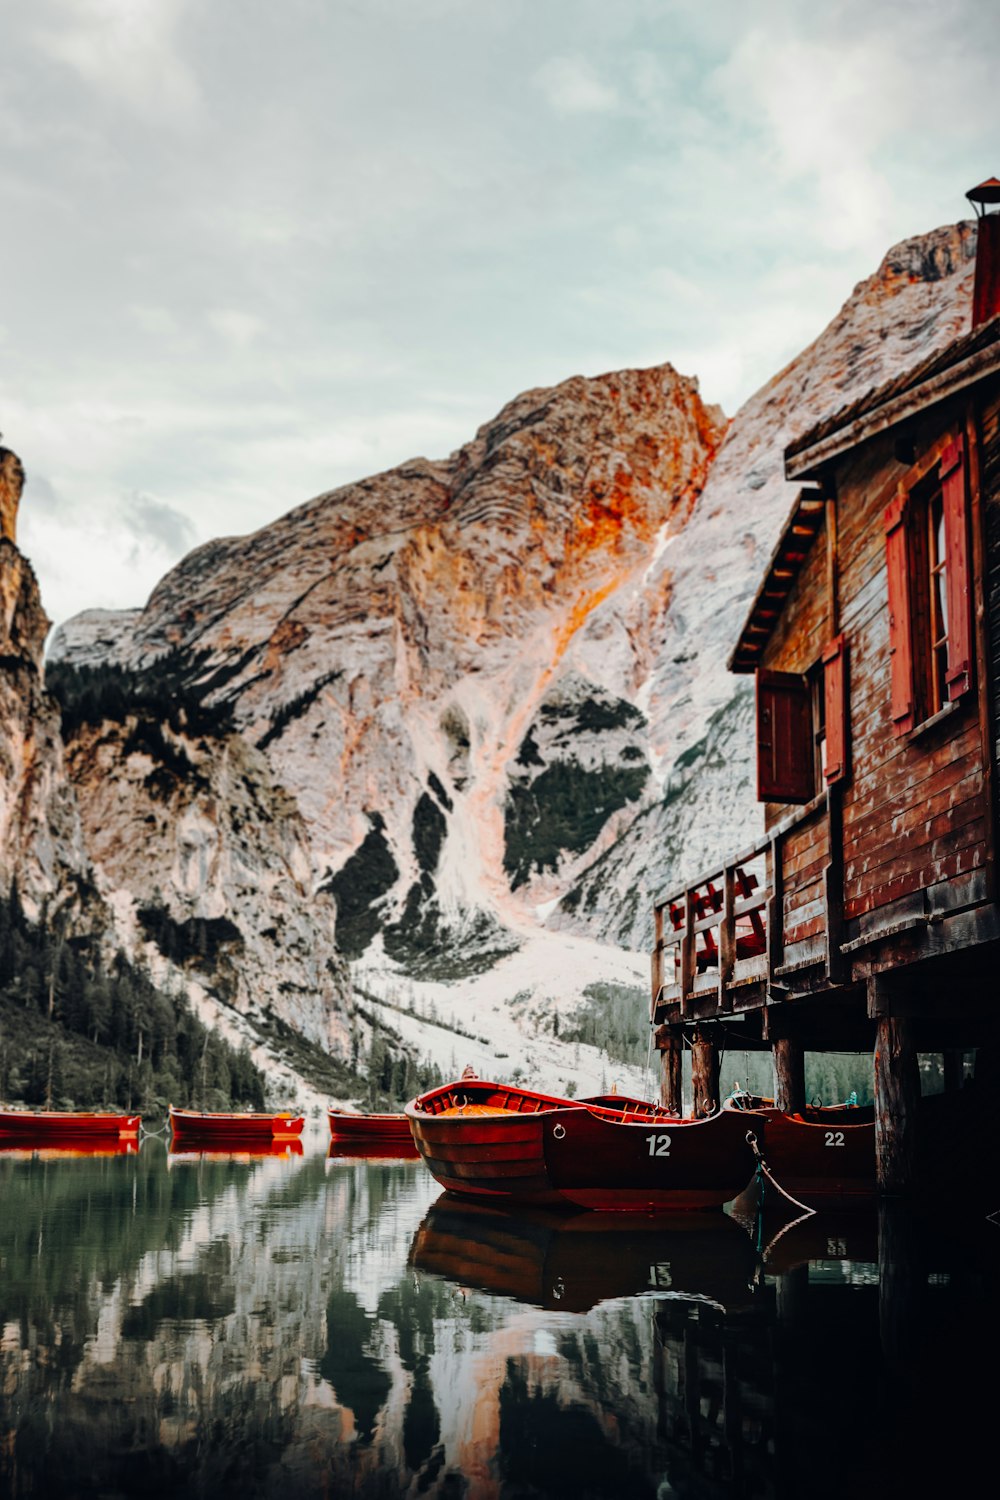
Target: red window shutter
[(784, 738), (835, 705), (897, 560), (956, 533)]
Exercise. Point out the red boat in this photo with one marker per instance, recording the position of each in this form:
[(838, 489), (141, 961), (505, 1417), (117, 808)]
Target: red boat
[(66, 1126), (235, 1129), (821, 1155), (385, 1129), (490, 1140)]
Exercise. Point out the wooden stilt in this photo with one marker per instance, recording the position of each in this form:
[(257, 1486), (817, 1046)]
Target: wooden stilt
[(789, 1074), (670, 1045), (897, 1097), (704, 1074)]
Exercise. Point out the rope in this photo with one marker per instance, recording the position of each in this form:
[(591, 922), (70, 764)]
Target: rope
[(646, 1090), (762, 1170)]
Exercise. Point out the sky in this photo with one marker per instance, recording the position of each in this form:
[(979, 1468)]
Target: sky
[(252, 251)]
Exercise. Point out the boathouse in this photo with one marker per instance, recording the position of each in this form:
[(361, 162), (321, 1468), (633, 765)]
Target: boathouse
[(867, 917)]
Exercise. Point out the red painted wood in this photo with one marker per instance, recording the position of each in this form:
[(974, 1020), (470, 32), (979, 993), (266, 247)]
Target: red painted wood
[(956, 526), (65, 1125), (986, 292), (784, 738), (835, 701), (901, 709)]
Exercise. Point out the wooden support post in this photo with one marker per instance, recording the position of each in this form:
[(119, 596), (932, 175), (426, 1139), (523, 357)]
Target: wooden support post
[(727, 940), (704, 1074), (789, 1075), (897, 1097), (833, 888), (688, 955), (670, 1045), (775, 911), (656, 974)]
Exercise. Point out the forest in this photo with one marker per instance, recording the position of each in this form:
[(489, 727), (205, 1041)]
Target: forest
[(77, 1032)]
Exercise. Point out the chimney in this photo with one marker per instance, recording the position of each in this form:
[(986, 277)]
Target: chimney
[(986, 295)]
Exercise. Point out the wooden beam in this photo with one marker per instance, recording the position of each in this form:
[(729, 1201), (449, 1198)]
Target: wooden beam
[(688, 954), (808, 463), (727, 939), (775, 913), (833, 887)]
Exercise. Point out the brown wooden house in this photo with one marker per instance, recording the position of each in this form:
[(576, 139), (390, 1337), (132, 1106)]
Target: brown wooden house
[(867, 918)]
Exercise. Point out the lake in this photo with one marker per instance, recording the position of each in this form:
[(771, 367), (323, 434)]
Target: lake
[(318, 1325)]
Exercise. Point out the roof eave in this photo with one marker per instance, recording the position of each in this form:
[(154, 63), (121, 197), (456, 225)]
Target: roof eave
[(809, 463)]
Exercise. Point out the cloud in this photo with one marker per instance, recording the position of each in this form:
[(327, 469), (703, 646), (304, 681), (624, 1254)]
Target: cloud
[(571, 86), (126, 50), (154, 522), (236, 327)]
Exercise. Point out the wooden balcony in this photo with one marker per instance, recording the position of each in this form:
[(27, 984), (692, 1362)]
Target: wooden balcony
[(768, 922)]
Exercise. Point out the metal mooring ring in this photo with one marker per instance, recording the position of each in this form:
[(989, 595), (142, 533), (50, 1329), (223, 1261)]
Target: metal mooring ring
[(559, 1131)]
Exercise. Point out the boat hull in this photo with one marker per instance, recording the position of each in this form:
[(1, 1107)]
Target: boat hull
[(234, 1128), (642, 1166), (490, 1141), (65, 1126), (388, 1129), (821, 1156)]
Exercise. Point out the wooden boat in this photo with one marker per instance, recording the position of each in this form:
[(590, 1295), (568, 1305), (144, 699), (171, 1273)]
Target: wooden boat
[(385, 1129), (235, 1129), (496, 1141), (66, 1126), (571, 1262), (822, 1156)]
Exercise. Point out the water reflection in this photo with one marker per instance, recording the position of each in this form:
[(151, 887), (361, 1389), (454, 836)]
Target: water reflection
[(324, 1324)]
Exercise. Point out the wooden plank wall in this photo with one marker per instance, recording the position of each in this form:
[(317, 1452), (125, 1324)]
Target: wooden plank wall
[(990, 463), (914, 810), (805, 855)]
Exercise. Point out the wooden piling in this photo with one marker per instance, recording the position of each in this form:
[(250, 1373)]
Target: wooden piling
[(670, 1046), (704, 1074), (897, 1097)]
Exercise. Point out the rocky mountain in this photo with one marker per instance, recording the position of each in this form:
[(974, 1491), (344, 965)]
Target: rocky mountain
[(468, 697), (407, 656)]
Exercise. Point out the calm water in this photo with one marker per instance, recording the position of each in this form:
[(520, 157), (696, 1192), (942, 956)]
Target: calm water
[(327, 1326)]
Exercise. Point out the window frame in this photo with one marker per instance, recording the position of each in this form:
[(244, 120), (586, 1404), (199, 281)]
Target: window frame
[(930, 671)]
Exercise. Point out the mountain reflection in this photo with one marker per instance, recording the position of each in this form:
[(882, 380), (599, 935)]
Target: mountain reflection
[(284, 1326)]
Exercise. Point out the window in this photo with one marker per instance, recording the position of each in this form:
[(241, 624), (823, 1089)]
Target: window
[(927, 560), (802, 728)]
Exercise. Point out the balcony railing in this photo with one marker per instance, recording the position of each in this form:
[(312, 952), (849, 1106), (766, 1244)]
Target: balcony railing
[(754, 922)]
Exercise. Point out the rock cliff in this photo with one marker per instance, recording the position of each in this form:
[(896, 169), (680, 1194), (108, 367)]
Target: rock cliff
[(40, 838)]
